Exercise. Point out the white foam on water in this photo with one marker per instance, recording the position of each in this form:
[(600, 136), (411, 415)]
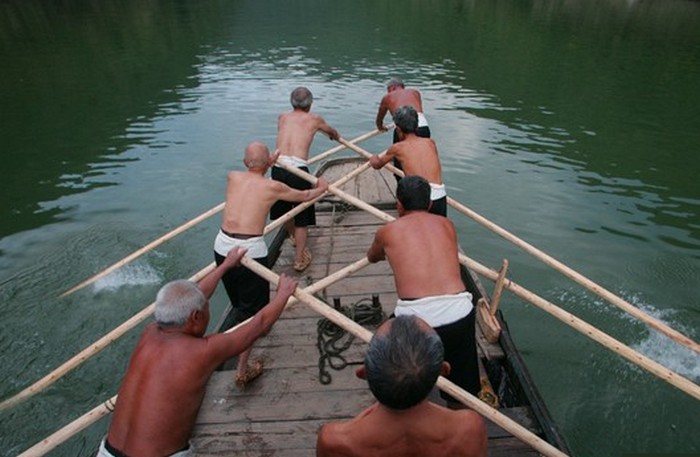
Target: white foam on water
[(663, 349), (134, 274), (650, 342)]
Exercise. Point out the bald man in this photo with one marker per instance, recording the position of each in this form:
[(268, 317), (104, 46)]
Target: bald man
[(402, 364), (249, 197)]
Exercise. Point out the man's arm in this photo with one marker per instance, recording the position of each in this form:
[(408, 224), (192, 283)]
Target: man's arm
[(223, 346), (376, 250), (379, 121), (208, 284), (288, 194), (378, 161), (328, 130)]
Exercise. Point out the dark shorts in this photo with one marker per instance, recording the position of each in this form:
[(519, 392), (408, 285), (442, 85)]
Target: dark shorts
[(423, 132), (439, 206), (281, 207), (459, 341), (247, 291)]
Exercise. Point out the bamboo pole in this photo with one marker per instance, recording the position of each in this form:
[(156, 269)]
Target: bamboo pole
[(340, 147), (132, 322), (55, 439), (192, 222), (139, 252), (607, 341), (103, 409), (567, 271)]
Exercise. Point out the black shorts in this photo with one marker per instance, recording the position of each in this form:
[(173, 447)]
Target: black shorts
[(247, 291), (459, 341), (281, 207), (439, 206)]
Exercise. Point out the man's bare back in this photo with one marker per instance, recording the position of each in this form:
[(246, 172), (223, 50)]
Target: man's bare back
[(397, 97), (250, 195), (418, 156), (150, 404), (296, 130), (427, 429), (422, 251)]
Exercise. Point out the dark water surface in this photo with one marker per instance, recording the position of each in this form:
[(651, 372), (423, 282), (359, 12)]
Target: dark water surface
[(576, 125)]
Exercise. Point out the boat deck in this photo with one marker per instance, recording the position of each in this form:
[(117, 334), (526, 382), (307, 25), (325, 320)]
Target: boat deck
[(280, 413)]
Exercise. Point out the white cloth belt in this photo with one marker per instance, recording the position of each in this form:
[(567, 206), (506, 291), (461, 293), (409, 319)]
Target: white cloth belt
[(437, 191), (256, 246), (103, 452), (437, 310), (292, 161), (422, 121)]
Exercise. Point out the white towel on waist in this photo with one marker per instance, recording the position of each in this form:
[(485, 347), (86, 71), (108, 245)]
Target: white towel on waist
[(437, 310)]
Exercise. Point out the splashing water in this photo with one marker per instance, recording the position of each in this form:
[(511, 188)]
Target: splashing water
[(130, 275)]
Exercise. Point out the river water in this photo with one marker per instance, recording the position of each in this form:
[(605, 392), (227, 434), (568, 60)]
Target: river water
[(574, 124)]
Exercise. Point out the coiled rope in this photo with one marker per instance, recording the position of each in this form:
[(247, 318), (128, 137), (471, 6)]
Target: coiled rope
[(333, 340)]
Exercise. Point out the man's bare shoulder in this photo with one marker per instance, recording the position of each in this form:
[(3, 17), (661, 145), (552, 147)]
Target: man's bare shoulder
[(470, 426), (334, 440)]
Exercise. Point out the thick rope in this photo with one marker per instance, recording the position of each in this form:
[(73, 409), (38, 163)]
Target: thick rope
[(333, 340)]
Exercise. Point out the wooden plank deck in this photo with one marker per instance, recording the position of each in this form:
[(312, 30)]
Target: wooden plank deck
[(280, 413)]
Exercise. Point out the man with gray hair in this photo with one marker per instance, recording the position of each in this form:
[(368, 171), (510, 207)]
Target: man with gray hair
[(295, 132), (397, 96), (419, 157), (402, 364), (164, 384)]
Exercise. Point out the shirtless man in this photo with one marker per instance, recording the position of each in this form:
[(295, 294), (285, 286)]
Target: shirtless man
[(171, 364), (295, 131), (396, 97), (419, 156), (423, 253), (402, 363), (249, 197)]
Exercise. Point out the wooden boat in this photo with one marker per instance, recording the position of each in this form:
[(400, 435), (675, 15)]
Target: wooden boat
[(280, 413)]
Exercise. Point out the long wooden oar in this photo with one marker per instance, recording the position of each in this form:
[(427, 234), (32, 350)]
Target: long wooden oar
[(607, 341), (192, 222), (654, 323), (342, 146), (139, 252), (103, 409), (109, 338)]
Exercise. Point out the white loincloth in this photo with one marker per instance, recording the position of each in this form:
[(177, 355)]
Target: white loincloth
[(256, 246), (437, 191), (422, 121), (437, 310), (292, 161), (103, 452)]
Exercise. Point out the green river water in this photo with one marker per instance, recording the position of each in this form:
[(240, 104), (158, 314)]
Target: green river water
[(574, 124)]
